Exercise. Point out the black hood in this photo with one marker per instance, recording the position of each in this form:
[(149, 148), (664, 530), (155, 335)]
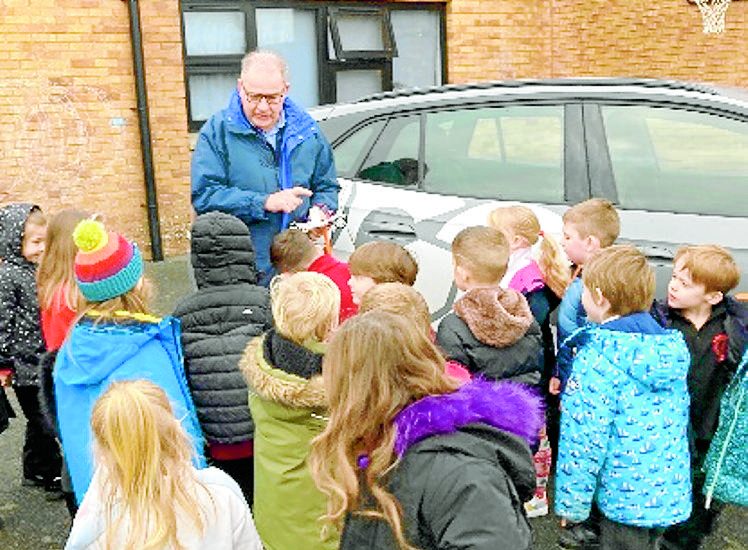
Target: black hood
[(222, 251), (12, 220)]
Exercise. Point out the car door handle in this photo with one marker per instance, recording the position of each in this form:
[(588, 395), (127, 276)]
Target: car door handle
[(658, 253), (391, 228), (652, 251)]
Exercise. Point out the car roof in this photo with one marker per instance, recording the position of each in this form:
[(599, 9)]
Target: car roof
[(562, 88)]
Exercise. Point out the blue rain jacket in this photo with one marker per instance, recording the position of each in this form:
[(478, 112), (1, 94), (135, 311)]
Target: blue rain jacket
[(94, 356), (234, 169), (624, 423)]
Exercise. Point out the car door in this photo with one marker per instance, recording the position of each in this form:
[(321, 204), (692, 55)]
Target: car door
[(428, 174), (677, 173)]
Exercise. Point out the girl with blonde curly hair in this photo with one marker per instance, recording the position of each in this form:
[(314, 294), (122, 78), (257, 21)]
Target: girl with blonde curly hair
[(412, 459)]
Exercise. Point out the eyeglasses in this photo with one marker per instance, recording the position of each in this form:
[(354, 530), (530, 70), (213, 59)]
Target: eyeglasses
[(256, 99)]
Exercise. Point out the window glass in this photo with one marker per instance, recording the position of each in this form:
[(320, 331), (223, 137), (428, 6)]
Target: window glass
[(349, 153), (394, 157), (210, 93), (360, 32), (214, 33), (677, 160), (419, 59), (511, 153), (292, 34), (355, 84)]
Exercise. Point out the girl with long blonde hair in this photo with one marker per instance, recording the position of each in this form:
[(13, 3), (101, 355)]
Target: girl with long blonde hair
[(409, 458), (113, 339), (543, 283), (146, 493), (55, 279)]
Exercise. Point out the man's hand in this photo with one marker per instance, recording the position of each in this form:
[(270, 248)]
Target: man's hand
[(287, 200), (554, 386)]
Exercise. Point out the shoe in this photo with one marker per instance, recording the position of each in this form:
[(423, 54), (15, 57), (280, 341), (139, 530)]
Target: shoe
[(34, 481), (54, 485), (578, 536), (537, 507)]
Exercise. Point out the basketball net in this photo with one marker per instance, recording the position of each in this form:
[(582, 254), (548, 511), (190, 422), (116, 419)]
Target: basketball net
[(713, 13)]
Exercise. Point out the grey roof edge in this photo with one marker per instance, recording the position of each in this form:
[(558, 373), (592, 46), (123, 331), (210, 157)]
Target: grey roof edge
[(579, 81)]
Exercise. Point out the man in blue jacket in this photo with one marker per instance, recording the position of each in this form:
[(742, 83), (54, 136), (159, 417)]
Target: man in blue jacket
[(263, 159)]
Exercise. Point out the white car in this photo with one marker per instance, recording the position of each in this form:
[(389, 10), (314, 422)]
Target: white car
[(417, 166)]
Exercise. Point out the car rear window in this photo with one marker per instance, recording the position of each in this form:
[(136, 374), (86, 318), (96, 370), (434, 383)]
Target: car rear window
[(676, 160)]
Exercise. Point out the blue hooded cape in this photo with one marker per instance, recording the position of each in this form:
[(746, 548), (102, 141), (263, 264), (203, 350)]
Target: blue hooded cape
[(97, 354)]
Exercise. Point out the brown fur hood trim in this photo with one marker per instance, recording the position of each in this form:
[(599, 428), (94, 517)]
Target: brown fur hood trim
[(279, 386), (495, 316)]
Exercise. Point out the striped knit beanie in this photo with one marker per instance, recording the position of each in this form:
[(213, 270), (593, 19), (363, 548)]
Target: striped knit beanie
[(107, 265)]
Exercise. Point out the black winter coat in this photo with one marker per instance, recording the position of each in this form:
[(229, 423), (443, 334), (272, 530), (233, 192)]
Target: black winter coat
[(493, 334), (713, 363), (452, 484), (21, 343), (218, 321)]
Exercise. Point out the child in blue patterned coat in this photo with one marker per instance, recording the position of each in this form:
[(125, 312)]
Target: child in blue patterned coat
[(624, 415)]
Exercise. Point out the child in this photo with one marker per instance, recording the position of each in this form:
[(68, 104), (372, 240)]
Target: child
[(491, 330), (293, 251), (218, 320), (542, 282), (411, 459), (408, 303), (588, 227), (145, 492), (115, 339), (58, 300), (283, 369), (714, 326), (379, 262), (22, 231), (58, 293), (624, 419)]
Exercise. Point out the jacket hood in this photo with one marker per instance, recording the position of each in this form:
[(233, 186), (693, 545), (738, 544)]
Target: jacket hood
[(95, 349), (12, 221), (495, 316), (277, 385), (506, 406), (655, 359), (222, 251)]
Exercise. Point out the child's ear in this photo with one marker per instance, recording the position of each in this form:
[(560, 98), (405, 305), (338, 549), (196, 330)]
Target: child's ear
[(598, 298), (592, 243), (714, 297)]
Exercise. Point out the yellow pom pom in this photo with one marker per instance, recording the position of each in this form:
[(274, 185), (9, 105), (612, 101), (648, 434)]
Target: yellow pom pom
[(90, 235)]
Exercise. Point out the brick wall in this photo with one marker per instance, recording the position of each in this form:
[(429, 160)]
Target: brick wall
[(68, 111), (497, 39)]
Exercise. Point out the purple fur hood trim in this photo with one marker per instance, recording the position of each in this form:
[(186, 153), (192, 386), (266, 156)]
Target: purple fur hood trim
[(508, 406)]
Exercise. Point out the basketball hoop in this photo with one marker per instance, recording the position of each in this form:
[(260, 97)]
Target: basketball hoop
[(713, 14)]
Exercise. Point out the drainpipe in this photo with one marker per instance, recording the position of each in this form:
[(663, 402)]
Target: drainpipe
[(136, 39)]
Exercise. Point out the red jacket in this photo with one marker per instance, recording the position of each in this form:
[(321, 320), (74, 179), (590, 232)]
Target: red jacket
[(340, 274), (56, 321)]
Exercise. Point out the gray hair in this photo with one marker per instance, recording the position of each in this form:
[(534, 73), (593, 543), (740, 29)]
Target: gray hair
[(264, 58)]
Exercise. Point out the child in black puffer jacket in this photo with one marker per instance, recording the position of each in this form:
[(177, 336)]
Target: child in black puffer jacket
[(218, 320)]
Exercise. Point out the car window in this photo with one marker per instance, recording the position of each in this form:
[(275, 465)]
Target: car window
[(349, 153), (678, 161), (394, 157), (511, 152)]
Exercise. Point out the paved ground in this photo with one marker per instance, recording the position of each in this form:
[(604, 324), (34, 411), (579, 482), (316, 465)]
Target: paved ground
[(33, 523)]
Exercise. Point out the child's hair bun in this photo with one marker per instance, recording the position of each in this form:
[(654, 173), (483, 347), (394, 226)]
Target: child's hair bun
[(90, 235)]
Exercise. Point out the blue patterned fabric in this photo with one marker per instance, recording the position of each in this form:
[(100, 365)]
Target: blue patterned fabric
[(624, 428)]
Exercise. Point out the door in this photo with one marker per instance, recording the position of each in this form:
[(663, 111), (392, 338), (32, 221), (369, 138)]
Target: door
[(678, 176)]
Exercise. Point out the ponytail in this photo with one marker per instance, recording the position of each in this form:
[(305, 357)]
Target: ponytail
[(553, 265)]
